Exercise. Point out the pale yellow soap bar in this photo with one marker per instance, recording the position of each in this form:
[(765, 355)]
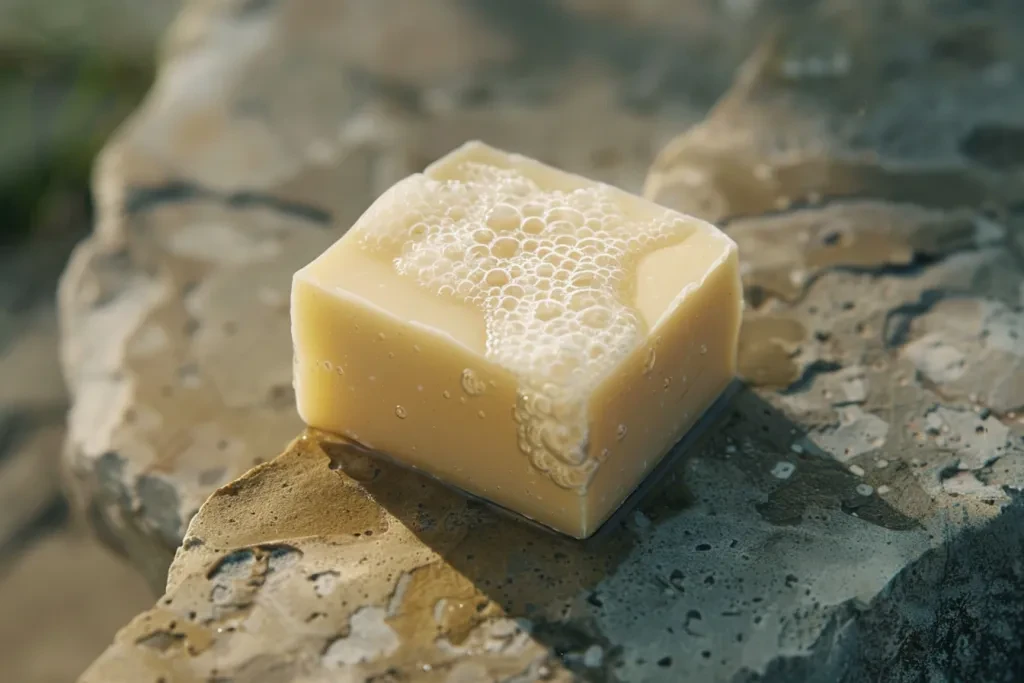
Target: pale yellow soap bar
[(530, 336)]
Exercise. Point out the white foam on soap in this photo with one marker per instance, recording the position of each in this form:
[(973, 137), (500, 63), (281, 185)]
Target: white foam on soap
[(554, 273)]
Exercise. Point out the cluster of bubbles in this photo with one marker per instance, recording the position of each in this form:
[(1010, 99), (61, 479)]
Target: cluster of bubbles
[(553, 272)]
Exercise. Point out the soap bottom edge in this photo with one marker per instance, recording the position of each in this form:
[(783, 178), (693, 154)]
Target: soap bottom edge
[(690, 439)]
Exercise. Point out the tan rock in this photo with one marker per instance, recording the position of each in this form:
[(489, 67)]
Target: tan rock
[(328, 560)]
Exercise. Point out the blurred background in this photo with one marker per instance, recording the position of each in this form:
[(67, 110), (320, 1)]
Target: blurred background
[(69, 74)]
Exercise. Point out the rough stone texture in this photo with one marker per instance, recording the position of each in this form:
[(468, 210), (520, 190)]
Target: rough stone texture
[(856, 517), (904, 101)]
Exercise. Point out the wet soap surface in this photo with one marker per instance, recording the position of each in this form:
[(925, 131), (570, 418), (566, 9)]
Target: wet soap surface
[(527, 335)]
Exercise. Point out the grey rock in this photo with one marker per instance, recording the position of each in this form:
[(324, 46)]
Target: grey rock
[(908, 102), (883, 277), (973, 349)]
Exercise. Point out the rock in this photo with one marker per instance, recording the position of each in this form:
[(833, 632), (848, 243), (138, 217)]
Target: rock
[(786, 253), (857, 514), (176, 365), (908, 102), (270, 127), (326, 562), (444, 585), (883, 277), (972, 348)]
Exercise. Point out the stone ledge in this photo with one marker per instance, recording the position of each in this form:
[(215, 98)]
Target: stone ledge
[(863, 159)]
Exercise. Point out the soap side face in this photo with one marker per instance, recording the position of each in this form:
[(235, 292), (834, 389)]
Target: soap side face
[(532, 287), (419, 397), (660, 392)]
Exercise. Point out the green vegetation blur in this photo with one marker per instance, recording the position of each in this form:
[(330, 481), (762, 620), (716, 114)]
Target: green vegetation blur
[(55, 114)]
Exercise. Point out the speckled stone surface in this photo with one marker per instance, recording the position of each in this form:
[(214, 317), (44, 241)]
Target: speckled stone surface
[(856, 516)]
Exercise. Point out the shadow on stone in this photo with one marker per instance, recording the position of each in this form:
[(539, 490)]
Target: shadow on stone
[(749, 549), (521, 570), (956, 614), (554, 582)]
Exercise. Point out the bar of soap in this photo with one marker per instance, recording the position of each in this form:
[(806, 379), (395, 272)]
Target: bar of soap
[(527, 335)]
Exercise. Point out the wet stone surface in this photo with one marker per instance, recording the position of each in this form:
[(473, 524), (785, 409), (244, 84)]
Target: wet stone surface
[(856, 516)]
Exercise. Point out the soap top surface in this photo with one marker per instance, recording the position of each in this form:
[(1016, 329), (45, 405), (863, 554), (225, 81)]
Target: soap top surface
[(550, 276)]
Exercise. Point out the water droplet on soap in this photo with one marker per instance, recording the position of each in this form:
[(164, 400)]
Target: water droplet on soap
[(381, 336), (472, 384), (667, 383), (481, 414), (400, 412), (620, 433), (703, 349), (446, 394), (652, 357)]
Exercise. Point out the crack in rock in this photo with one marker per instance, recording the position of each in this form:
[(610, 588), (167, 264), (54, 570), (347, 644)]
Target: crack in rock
[(141, 200)]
